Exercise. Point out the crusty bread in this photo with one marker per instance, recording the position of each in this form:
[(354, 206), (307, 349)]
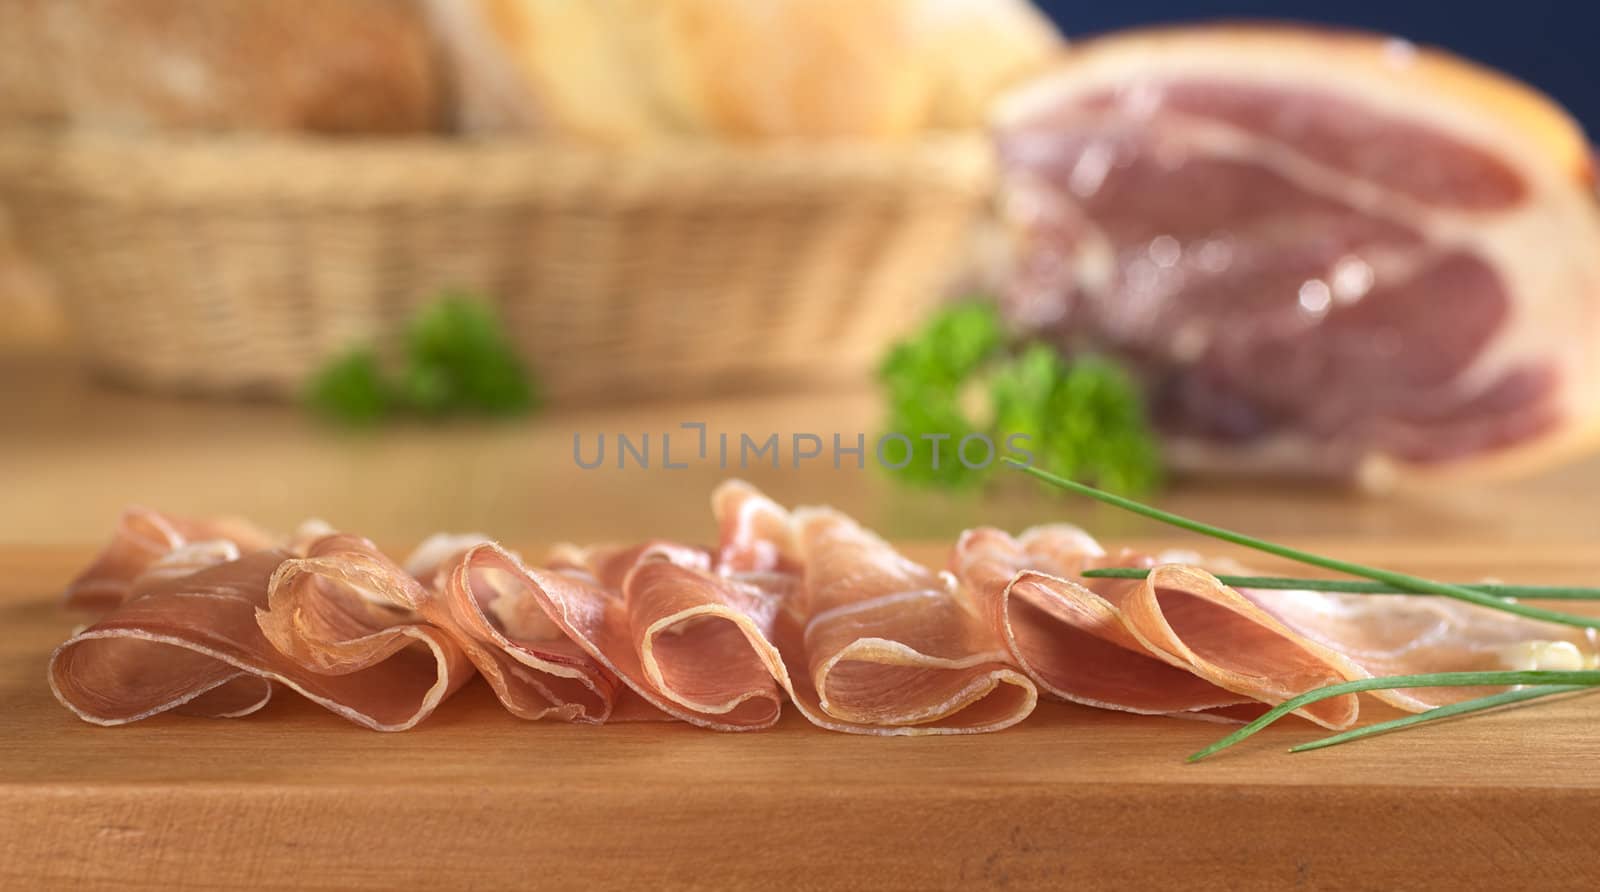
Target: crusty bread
[(625, 71), (339, 66)]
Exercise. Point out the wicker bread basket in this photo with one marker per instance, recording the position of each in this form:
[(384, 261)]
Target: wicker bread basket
[(233, 266)]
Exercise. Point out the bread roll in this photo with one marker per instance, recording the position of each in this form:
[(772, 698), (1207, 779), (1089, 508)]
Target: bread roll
[(629, 71), (337, 66)]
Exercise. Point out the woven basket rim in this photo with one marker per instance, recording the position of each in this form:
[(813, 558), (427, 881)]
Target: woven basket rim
[(195, 169)]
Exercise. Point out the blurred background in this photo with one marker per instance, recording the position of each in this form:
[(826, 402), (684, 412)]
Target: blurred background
[(390, 263)]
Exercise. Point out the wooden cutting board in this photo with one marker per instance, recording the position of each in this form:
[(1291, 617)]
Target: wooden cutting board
[(1073, 797)]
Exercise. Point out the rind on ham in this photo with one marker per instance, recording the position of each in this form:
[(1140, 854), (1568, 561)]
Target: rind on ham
[(194, 642), (143, 537)]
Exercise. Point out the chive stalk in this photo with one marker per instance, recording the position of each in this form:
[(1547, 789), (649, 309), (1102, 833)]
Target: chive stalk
[(1356, 587), (1465, 707), (1403, 581), (1576, 678)]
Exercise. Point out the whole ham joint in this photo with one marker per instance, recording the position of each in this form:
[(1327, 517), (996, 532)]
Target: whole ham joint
[(1322, 253)]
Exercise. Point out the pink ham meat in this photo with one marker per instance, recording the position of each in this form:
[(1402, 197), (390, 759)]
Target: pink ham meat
[(889, 644), (1321, 253), (803, 606), (473, 598), (687, 641), (866, 641), (1181, 642), (1402, 635), (144, 537), (1177, 643), (720, 639), (193, 642)]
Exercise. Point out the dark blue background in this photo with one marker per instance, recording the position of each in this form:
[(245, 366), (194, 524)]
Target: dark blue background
[(1553, 45)]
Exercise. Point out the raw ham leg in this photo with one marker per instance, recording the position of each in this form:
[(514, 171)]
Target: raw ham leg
[(1319, 252), (1180, 615), (143, 537), (194, 641)]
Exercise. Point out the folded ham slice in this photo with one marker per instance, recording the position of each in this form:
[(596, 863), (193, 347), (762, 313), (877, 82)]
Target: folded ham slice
[(142, 538), (193, 641), (1406, 634), (804, 606), (689, 642), (1177, 642), (866, 641), (889, 643)]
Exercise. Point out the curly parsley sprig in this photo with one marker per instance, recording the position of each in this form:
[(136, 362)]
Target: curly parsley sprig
[(963, 373), (458, 359)]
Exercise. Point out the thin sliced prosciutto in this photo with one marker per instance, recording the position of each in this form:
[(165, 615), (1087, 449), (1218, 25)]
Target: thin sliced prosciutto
[(478, 593), (1407, 634), (805, 607), (193, 642), (644, 632), (888, 643), (1177, 642), (848, 659), (718, 641), (142, 538), (689, 642)]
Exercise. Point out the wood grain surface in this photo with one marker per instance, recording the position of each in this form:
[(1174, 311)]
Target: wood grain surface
[(1073, 797)]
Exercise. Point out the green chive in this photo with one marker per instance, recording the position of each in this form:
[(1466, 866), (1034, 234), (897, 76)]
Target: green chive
[(1465, 707), (1581, 678), (1352, 587), (1406, 582)]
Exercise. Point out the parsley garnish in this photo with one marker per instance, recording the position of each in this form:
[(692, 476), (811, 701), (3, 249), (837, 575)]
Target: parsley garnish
[(458, 360), (962, 373)]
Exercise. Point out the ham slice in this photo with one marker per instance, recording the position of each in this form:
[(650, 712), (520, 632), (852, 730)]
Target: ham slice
[(689, 642), (142, 538), (1178, 642), (889, 644), (1408, 634), (194, 642), (1322, 253), (719, 641), (804, 606), (647, 631), (865, 641), (472, 601)]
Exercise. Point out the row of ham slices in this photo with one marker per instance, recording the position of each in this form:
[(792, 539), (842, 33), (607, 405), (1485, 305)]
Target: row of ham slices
[(806, 606)]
